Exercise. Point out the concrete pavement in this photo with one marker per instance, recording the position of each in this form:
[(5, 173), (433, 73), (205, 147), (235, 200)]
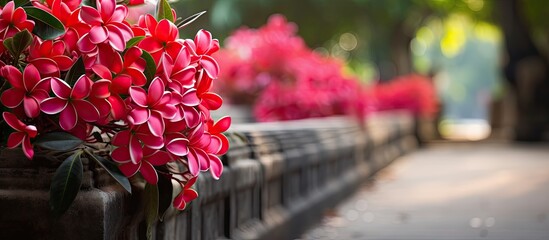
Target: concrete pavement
[(450, 191)]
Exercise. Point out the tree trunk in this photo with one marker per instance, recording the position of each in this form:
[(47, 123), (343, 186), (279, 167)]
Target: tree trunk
[(527, 71)]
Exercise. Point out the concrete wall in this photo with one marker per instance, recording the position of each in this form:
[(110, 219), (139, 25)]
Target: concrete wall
[(278, 180)]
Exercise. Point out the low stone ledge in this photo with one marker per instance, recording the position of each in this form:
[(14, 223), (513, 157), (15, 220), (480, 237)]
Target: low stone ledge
[(277, 181)]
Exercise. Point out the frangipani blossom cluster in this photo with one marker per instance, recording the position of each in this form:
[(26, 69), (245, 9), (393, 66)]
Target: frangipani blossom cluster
[(272, 69), (415, 93), (137, 88)]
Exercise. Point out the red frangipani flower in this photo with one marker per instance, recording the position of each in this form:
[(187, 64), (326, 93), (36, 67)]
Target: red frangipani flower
[(70, 102), (48, 57), (107, 26), (186, 195), (13, 20), (22, 135), (131, 143), (216, 130), (151, 157), (151, 107), (161, 38), (199, 158), (27, 88), (201, 49)]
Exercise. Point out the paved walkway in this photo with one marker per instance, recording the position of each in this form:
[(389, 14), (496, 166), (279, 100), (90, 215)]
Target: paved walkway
[(450, 191)]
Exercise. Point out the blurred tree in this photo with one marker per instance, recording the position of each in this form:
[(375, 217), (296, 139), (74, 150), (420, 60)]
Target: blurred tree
[(385, 28), (527, 67)]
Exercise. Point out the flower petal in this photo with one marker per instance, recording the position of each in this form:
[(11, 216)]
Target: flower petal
[(151, 141), (27, 147), (203, 40), (190, 98), (178, 147), (121, 155), (156, 91), (106, 8), (189, 195), (85, 44), (116, 38), (139, 96), (98, 34), (31, 77), (12, 97), (203, 158), (221, 125), (68, 118), (82, 88), (166, 31), (159, 158), (193, 163), (224, 144), (211, 100), (156, 124), (149, 173), (31, 107), (46, 66), (216, 166), (15, 139), (136, 151), (14, 76), (86, 111), (60, 88), (210, 66), (121, 138), (100, 89), (139, 116), (90, 15), (53, 105), (129, 169)]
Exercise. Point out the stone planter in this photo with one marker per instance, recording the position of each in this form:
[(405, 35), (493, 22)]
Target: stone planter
[(98, 211)]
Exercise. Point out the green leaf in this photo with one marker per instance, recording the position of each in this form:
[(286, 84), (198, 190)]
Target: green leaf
[(66, 183), (77, 70), (18, 43), (190, 19), (58, 141), (91, 3), (18, 3), (150, 69), (165, 192), (46, 26), (164, 11), (134, 41), (151, 207), (113, 170)]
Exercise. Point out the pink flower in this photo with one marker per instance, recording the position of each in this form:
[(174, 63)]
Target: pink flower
[(107, 26), (27, 88), (131, 143), (13, 20), (48, 57), (176, 69), (71, 103), (22, 135), (186, 195), (216, 130), (151, 107), (201, 49), (200, 157), (151, 158), (161, 38)]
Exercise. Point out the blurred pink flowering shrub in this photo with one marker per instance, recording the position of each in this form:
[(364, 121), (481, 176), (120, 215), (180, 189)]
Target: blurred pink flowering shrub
[(77, 78), (412, 92), (272, 69)]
